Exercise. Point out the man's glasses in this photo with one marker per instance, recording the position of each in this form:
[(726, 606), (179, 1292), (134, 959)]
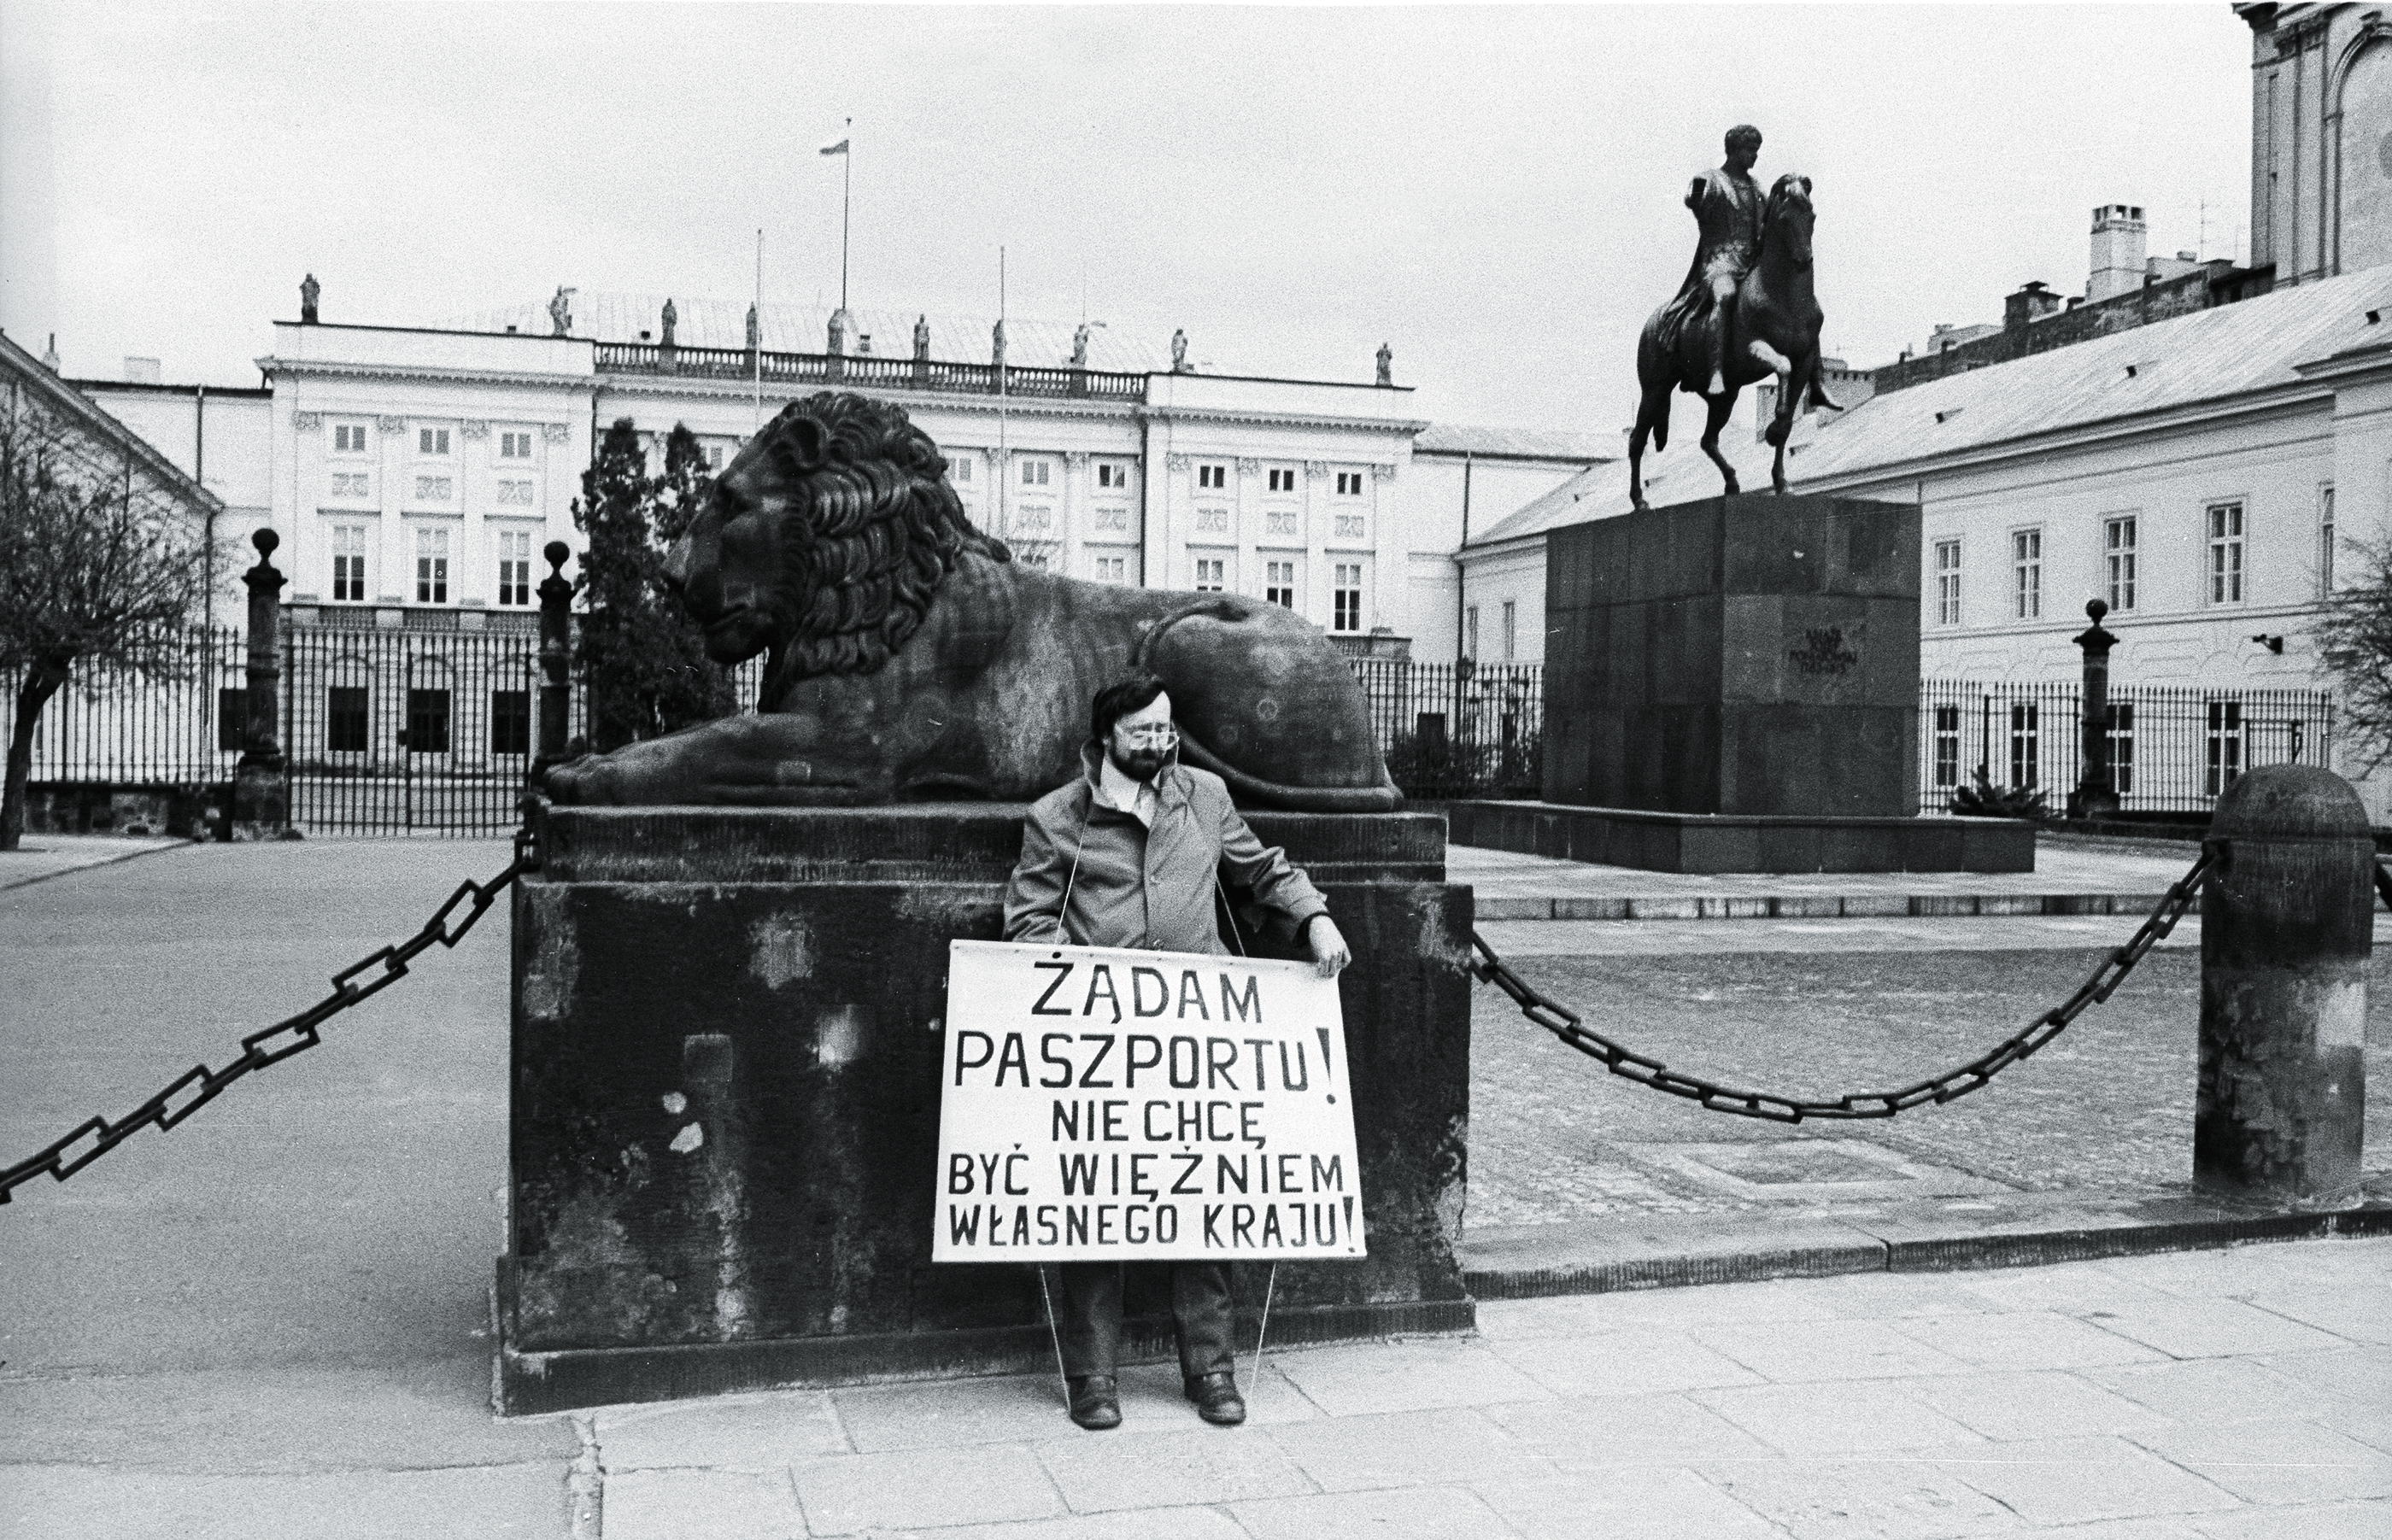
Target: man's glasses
[(1154, 737)]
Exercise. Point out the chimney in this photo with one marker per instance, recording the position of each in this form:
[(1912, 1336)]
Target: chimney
[(50, 354), (2031, 304), (141, 372), (2118, 268)]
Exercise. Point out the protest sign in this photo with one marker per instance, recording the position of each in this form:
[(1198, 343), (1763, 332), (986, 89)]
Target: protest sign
[(1102, 1105)]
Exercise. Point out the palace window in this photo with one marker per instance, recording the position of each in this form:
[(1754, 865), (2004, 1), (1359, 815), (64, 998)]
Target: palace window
[(1113, 478), (348, 564), (1035, 472), (515, 445), (2118, 557), (962, 469), (1947, 582), (1510, 630), (348, 438), (1211, 575), (1278, 585), (427, 722), (1282, 481), (345, 719), (1213, 476), (2121, 731), (432, 441), (2225, 746), (1948, 745), (1349, 483), (510, 721), (1113, 569), (2325, 542), (2026, 567), (2026, 742), (1470, 633), (2225, 553), (1346, 598), (432, 566), (514, 566)]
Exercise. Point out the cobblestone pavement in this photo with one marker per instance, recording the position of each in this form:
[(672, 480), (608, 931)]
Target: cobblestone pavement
[(2204, 1396), (2107, 1105)]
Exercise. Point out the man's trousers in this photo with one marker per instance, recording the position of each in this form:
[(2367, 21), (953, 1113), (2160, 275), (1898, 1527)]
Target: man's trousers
[(1088, 1316)]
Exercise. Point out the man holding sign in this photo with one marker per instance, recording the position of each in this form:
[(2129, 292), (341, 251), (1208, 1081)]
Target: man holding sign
[(1130, 855)]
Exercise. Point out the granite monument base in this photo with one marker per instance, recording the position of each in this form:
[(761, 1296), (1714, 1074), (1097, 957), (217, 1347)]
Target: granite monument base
[(725, 1099), (1708, 844)]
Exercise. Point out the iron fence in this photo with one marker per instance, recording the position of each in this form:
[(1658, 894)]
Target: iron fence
[(2172, 748), (1451, 729)]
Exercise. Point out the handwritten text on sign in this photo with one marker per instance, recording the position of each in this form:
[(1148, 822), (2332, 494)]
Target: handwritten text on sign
[(1101, 1105)]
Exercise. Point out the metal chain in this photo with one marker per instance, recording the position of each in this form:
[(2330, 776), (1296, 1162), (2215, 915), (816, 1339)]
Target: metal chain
[(296, 1034), (1951, 1084)]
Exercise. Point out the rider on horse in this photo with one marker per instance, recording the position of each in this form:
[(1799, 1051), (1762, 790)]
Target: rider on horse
[(1727, 205)]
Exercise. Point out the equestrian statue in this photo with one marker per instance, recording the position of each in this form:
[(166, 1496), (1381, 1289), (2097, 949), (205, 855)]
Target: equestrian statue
[(1745, 311)]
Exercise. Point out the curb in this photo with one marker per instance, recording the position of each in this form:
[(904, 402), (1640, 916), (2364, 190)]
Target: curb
[(1541, 1262), (1816, 905), (176, 844)]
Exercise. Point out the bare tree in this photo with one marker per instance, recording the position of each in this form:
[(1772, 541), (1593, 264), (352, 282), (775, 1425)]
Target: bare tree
[(2355, 638), (96, 568)]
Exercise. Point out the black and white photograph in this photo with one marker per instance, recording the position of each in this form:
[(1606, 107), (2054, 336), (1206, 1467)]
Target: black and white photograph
[(801, 768)]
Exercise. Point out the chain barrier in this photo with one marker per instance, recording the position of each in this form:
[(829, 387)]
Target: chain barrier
[(1567, 1025), (296, 1034)]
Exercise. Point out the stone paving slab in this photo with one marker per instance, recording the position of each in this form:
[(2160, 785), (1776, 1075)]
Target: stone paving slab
[(1881, 1408), (2091, 877)]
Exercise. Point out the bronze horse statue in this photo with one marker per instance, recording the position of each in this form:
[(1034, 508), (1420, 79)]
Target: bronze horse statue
[(1776, 332)]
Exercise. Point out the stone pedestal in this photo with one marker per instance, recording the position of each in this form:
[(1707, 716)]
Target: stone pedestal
[(725, 1099), (1747, 665)]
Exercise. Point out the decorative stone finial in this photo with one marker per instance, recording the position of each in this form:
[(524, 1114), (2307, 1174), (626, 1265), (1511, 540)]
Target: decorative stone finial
[(50, 354), (997, 344), (2095, 609), (266, 540), (556, 552), (308, 289)]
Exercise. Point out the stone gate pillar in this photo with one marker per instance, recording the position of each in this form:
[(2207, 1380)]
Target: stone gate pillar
[(261, 781)]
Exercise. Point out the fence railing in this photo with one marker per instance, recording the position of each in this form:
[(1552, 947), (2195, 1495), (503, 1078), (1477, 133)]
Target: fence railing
[(1451, 729), (2172, 748)]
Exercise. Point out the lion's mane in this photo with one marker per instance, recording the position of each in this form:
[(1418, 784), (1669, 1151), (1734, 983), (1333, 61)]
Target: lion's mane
[(870, 530)]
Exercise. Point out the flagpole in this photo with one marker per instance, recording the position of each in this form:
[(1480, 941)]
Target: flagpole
[(846, 189), (756, 358), (1004, 463)]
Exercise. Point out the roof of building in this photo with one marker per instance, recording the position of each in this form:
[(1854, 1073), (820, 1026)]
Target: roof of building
[(31, 374), (701, 322), (1456, 438), (2230, 350)]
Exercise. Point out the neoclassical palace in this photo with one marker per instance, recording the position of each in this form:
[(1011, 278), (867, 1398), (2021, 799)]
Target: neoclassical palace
[(415, 473)]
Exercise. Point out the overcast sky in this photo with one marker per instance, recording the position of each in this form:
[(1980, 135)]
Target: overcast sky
[(1492, 191)]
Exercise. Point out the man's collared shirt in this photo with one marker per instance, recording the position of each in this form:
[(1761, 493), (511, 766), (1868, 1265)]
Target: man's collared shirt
[(1124, 795)]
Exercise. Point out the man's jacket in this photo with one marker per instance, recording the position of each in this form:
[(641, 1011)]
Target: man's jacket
[(1130, 886)]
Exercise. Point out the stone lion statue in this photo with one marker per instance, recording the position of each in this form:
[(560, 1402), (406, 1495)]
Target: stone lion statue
[(911, 658)]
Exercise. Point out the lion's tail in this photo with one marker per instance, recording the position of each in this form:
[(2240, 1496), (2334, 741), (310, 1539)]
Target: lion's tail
[(1381, 799)]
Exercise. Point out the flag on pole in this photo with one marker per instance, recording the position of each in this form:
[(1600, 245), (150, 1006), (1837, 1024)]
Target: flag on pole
[(839, 148)]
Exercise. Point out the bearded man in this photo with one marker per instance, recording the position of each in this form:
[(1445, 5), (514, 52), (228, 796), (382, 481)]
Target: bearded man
[(1130, 854), (1727, 204)]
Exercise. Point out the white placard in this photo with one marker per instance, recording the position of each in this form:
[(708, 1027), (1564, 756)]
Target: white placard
[(1099, 1105)]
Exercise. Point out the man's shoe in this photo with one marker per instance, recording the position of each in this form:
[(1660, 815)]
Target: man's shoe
[(1216, 1398), (1096, 1403)]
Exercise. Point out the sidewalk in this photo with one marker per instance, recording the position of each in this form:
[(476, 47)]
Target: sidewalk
[(41, 856), (2239, 1395), (2073, 875)]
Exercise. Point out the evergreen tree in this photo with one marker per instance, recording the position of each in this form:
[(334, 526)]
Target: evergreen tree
[(642, 660), (2354, 640)]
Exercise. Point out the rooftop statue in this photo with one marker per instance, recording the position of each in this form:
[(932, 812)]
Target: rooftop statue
[(1745, 312), (308, 289), (909, 656), (1386, 365), (1179, 352), (921, 336), (560, 312), (1080, 346), (671, 319)]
